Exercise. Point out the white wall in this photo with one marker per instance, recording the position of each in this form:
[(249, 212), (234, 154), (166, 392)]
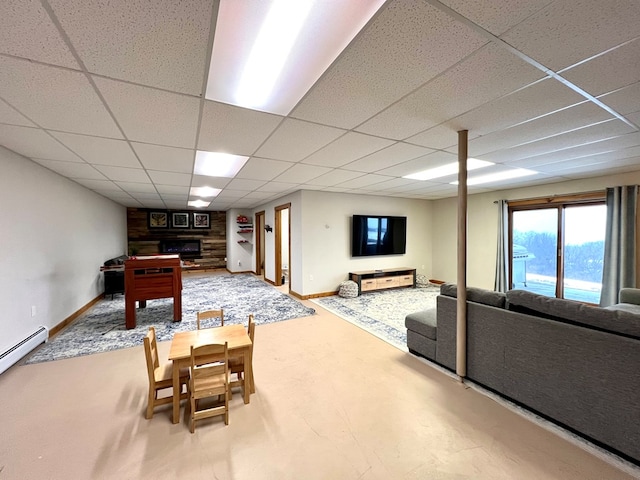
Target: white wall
[(482, 225), (240, 256), (321, 237), (55, 235)]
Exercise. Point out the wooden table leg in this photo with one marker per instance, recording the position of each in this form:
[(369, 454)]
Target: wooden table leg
[(176, 392), (177, 307), (248, 375), (130, 313)]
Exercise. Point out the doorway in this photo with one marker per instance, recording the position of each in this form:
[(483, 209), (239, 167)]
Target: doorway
[(283, 245), (259, 269)]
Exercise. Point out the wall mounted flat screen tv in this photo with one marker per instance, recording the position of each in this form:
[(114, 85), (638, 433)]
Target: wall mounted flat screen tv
[(378, 235)]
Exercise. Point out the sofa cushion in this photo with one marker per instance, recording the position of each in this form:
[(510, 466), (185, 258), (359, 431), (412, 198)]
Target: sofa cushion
[(629, 295), (475, 294), (608, 320), (423, 322), (625, 307)]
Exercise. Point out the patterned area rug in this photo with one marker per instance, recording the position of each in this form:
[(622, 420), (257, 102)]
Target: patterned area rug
[(102, 328), (382, 313)]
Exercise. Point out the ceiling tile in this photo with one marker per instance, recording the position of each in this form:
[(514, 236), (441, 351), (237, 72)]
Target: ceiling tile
[(624, 101), (26, 30), (35, 143), (243, 184), (173, 189), (135, 187), (616, 147), (496, 16), (488, 74), (143, 197), (349, 147), (167, 159), (300, 173), (583, 136), (364, 181), (404, 46), (123, 198), (397, 153), (169, 178), (173, 197), (566, 120), (442, 136), (72, 169), (152, 116), (294, 140), (569, 31), (611, 71), (98, 150), (11, 116), (277, 187), (528, 103), (334, 177), (170, 39), (400, 185), (263, 169), (423, 162), (230, 129), (42, 93), (122, 174), (229, 195), (206, 181), (99, 185)]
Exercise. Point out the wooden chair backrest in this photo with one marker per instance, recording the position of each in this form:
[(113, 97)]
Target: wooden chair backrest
[(210, 314), (151, 353), (209, 360)]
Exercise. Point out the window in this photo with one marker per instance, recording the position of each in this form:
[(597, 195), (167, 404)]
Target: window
[(556, 246)]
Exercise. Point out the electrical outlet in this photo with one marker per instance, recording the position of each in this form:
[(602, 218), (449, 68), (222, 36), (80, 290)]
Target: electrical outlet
[(422, 267), (33, 310), (311, 277), (239, 263)]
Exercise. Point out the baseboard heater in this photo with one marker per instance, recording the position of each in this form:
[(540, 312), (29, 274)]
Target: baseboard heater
[(20, 349)]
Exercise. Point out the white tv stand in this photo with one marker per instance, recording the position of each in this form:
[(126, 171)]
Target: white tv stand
[(370, 280)]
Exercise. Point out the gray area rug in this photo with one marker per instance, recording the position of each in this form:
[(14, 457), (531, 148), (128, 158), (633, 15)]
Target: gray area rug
[(382, 312), (102, 328)]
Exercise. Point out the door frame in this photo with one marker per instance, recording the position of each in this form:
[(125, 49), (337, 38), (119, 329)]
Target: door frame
[(278, 246), (259, 242)]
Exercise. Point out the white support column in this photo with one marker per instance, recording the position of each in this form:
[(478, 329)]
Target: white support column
[(461, 316)]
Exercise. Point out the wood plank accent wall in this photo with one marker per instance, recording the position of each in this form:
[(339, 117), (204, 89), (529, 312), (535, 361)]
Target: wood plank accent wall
[(146, 241)]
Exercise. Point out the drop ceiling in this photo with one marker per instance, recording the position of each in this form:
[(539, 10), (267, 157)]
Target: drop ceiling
[(112, 96)]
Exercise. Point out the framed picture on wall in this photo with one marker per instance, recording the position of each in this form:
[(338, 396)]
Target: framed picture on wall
[(201, 220), (158, 219), (180, 220)]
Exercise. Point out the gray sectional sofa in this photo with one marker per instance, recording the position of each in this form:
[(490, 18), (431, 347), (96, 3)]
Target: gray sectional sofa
[(575, 364)]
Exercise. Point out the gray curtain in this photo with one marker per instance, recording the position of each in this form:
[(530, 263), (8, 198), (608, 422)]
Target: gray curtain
[(619, 265), (502, 255)]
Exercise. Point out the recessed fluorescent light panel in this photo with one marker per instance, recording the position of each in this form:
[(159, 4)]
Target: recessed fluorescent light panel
[(268, 53), (448, 169), (498, 177), (204, 192), (198, 203), (213, 164)]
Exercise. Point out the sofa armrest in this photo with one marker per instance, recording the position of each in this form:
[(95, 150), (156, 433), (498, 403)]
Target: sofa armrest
[(629, 295)]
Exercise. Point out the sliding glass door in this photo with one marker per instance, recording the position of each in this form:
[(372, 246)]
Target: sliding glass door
[(557, 250)]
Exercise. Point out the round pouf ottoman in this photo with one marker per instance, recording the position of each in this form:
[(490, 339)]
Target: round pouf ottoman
[(422, 281), (348, 289)]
